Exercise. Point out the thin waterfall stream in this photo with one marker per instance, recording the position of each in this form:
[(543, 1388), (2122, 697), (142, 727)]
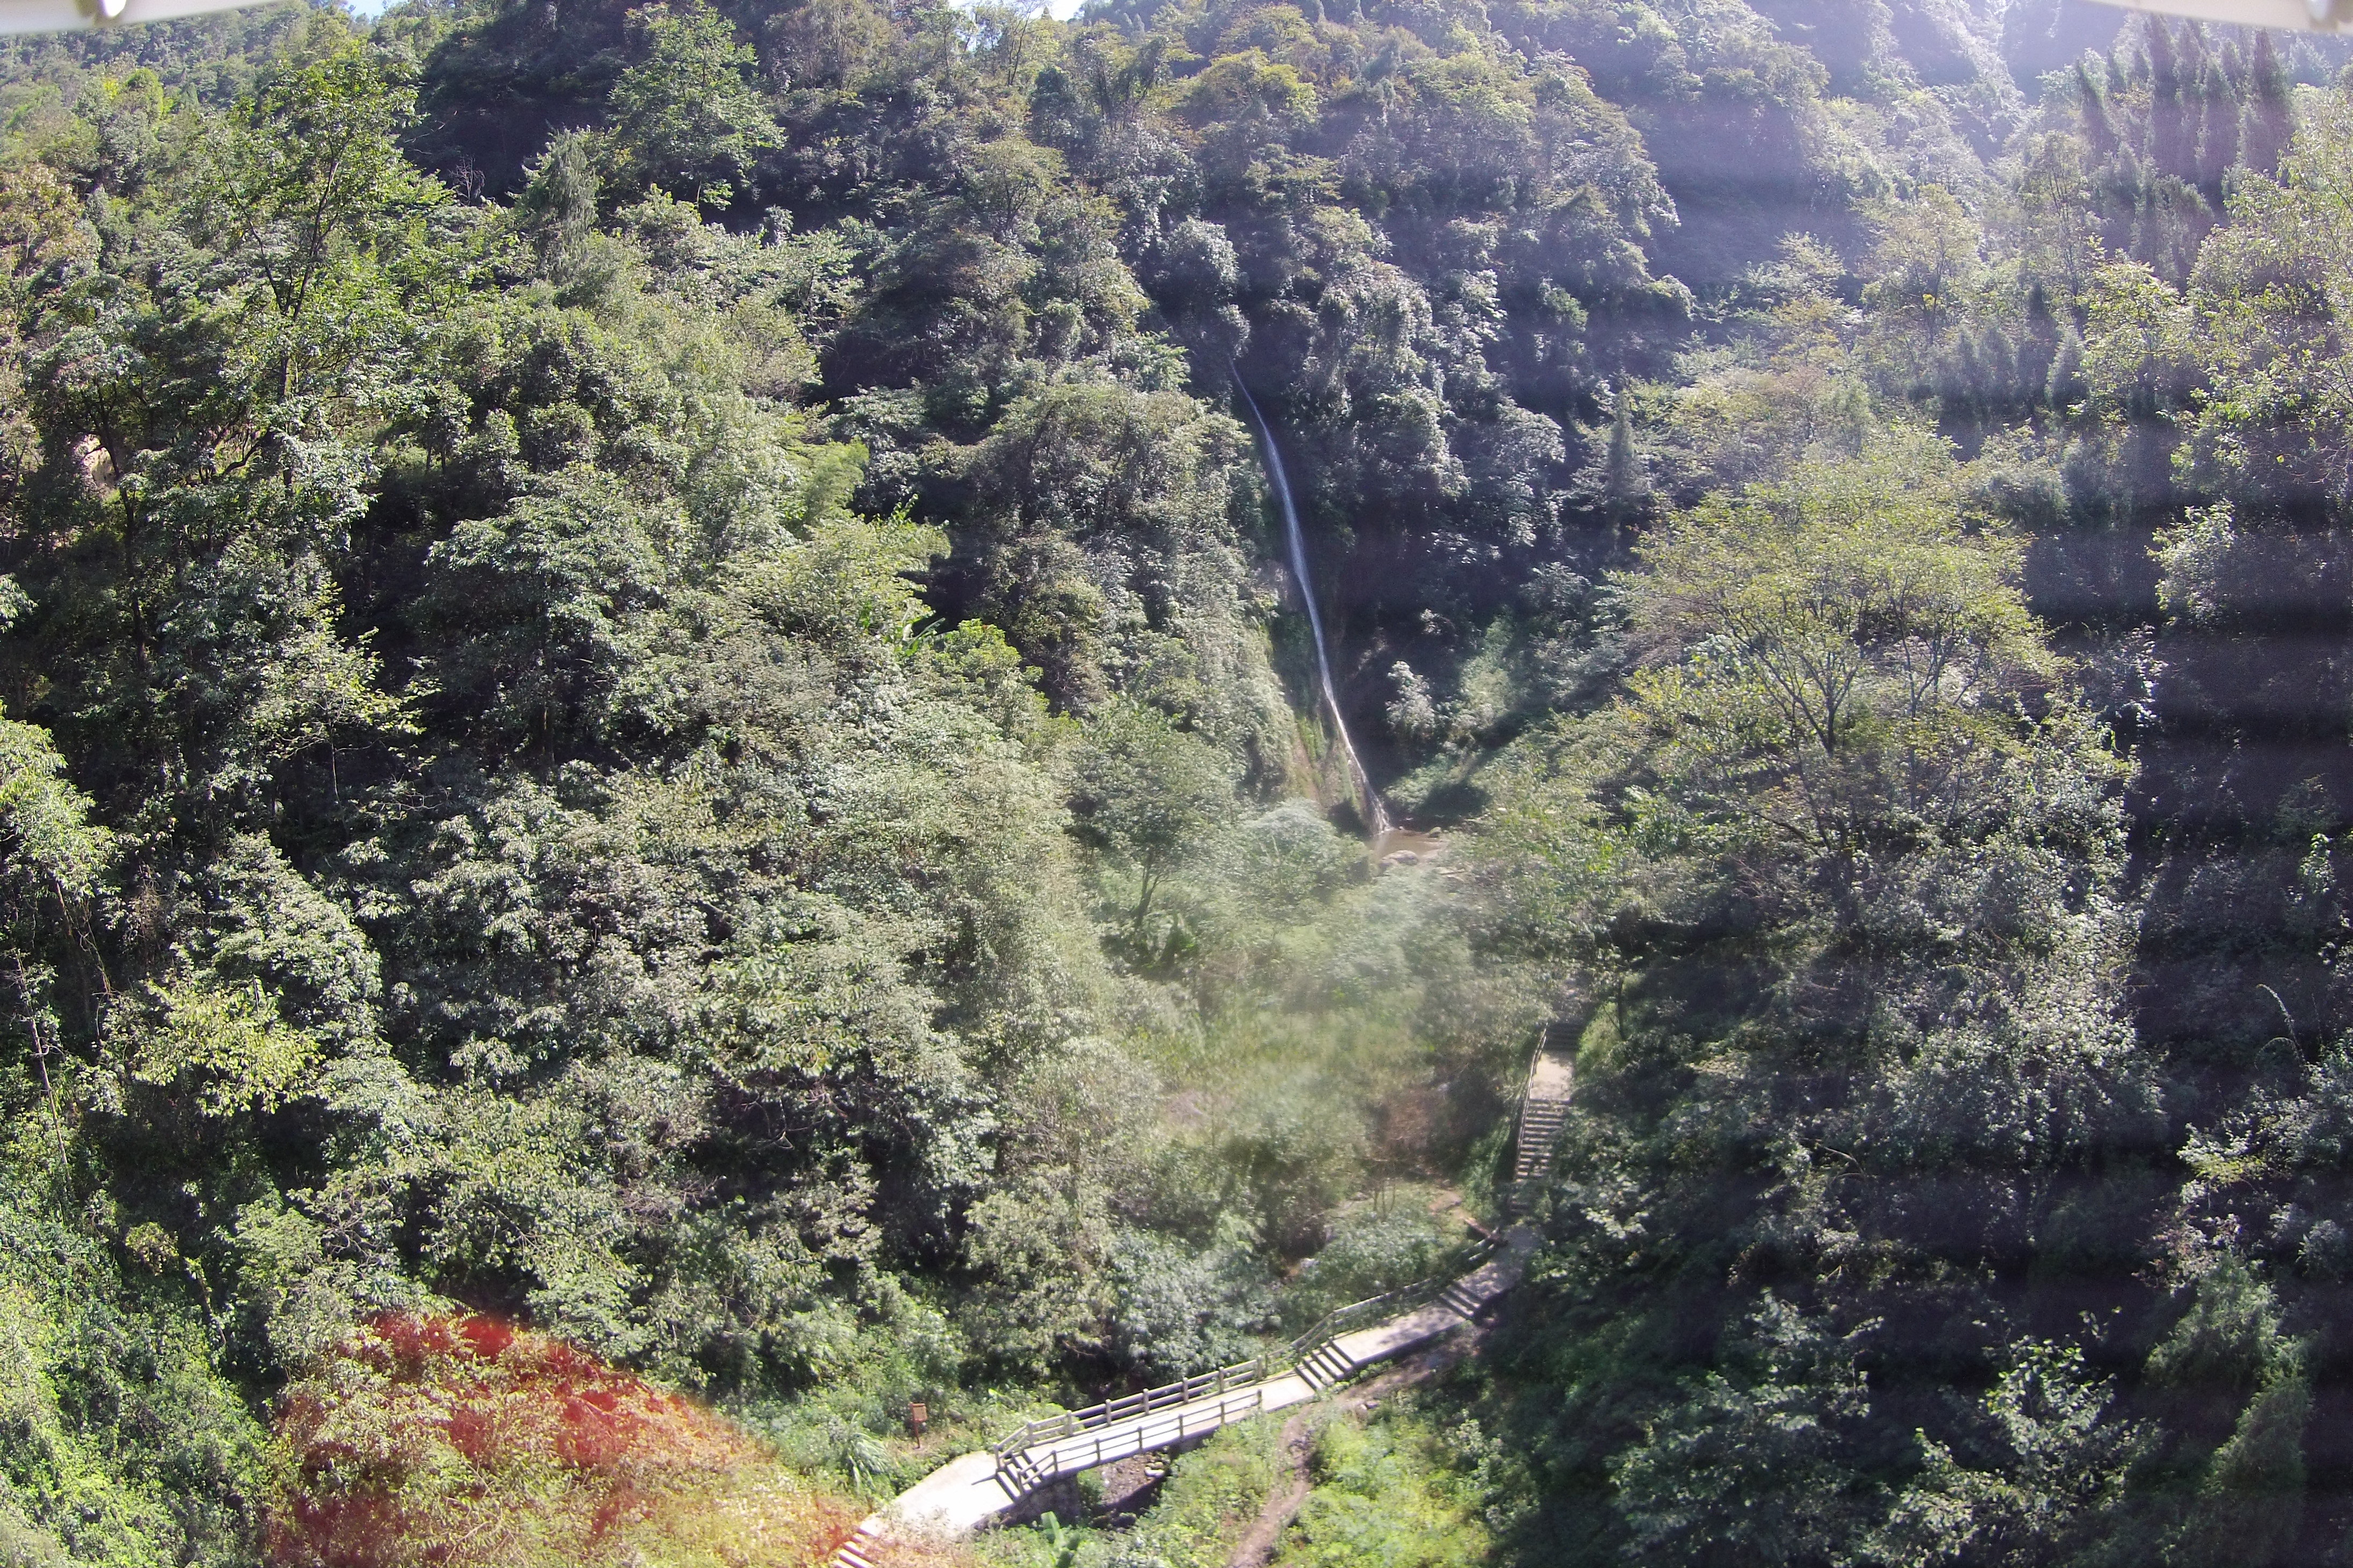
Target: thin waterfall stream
[(1376, 816)]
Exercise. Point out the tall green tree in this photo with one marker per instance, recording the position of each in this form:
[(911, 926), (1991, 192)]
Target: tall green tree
[(686, 118)]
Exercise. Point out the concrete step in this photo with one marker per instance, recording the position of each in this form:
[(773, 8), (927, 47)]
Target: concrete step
[(851, 1554), (1019, 1476), (1460, 1298), (1327, 1365)]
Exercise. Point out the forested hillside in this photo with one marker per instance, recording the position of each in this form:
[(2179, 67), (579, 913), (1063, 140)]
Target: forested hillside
[(663, 785)]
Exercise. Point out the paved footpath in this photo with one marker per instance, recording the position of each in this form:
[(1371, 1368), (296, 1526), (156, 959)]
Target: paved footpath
[(1553, 1078)]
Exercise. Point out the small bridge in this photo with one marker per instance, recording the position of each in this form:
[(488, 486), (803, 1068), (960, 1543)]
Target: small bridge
[(978, 1488)]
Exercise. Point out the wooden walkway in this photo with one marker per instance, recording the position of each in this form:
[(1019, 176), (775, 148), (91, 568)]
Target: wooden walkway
[(977, 1488)]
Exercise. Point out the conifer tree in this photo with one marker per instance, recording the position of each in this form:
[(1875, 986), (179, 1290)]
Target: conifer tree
[(2096, 129), (2172, 133), (2266, 124), (2218, 135), (1625, 492)]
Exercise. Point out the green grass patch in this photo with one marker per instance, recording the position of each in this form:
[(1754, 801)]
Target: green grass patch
[(1391, 1492)]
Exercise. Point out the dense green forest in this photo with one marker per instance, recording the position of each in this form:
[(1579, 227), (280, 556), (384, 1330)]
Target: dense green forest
[(663, 785)]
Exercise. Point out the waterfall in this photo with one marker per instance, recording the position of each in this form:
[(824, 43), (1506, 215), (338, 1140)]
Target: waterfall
[(1375, 817)]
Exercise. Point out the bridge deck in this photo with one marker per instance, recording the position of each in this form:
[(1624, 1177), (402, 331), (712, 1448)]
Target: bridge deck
[(1164, 1429)]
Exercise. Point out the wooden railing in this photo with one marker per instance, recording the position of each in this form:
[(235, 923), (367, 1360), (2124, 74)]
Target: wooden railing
[(1242, 1375), (1202, 1385), (1374, 1309)]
